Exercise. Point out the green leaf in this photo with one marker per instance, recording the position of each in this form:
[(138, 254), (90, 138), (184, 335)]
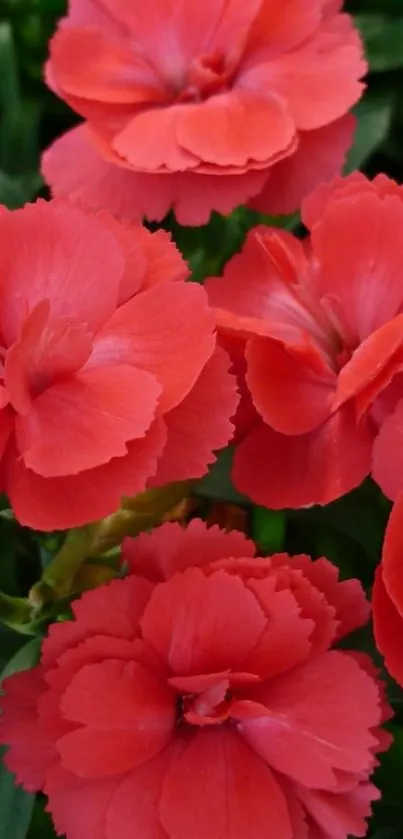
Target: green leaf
[(19, 138), (217, 483), (374, 114), (268, 529), (383, 39), (389, 776), (27, 656), (11, 191), (41, 826), (9, 77), (359, 515), (16, 805)]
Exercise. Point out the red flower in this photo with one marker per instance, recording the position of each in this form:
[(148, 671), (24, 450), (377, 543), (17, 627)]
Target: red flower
[(316, 333), (108, 361), (199, 697), (387, 595), (200, 107)]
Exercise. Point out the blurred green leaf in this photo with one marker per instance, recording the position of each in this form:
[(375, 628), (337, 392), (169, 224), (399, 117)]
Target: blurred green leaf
[(27, 656), (383, 39), (41, 826), (11, 191), (16, 806), (359, 516), (9, 78), (389, 776), (374, 114), (217, 483), (268, 529), (19, 139)]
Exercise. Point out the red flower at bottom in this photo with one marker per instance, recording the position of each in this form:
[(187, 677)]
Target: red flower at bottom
[(199, 697)]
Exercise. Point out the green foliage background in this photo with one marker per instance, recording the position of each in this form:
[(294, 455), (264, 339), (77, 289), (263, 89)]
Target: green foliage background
[(350, 531)]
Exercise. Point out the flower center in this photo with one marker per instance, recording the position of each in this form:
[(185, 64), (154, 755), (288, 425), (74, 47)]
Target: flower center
[(211, 707), (208, 74)]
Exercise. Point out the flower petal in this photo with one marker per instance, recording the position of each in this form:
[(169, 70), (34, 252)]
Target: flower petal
[(111, 743), (103, 69), (74, 168), (170, 549), (340, 814), (191, 444), (278, 470), (292, 387), (347, 597), (320, 156), (232, 129), (77, 266), (166, 331), (60, 503), (79, 807), (139, 143), (280, 27), (20, 724), (305, 80), (136, 800), (359, 249), (47, 350), (387, 458), (110, 610), (388, 627), (201, 624), (220, 789), (86, 420), (324, 708), (285, 641)]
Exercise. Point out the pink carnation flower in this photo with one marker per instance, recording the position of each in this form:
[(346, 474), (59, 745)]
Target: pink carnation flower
[(202, 106)]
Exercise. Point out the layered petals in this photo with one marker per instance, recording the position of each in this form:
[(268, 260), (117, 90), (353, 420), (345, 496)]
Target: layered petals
[(233, 87), (107, 356), (314, 331), (170, 549), (289, 722), (204, 701)]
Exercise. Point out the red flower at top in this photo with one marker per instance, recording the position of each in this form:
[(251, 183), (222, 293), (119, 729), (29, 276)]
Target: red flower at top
[(108, 362), (316, 333), (199, 106), (199, 698)]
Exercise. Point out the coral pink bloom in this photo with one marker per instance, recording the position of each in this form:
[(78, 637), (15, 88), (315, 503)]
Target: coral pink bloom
[(387, 596), (202, 697), (108, 361), (202, 106), (315, 330)]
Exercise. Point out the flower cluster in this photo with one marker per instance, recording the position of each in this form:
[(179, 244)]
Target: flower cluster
[(315, 330), (202, 106), (107, 356), (202, 696)]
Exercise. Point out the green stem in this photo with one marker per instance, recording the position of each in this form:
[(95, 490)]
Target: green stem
[(16, 612), (136, 514)]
